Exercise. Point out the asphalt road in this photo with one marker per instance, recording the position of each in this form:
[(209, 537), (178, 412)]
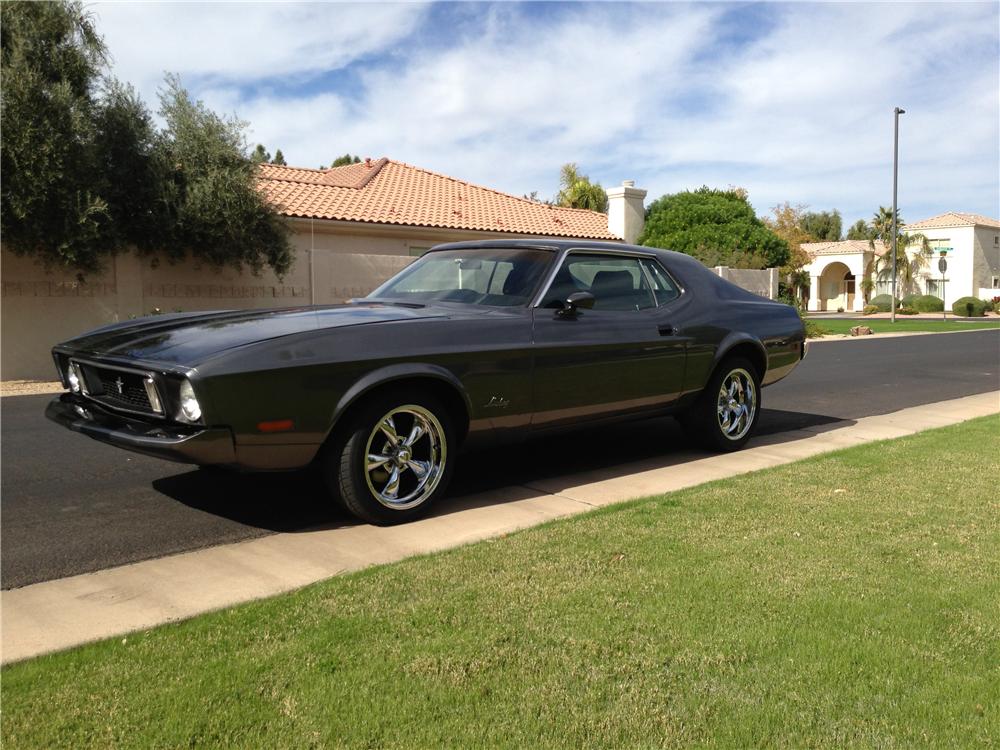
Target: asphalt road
[(72, 505)]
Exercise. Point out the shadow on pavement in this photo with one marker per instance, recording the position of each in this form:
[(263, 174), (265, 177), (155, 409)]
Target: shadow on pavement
[(297, 501)]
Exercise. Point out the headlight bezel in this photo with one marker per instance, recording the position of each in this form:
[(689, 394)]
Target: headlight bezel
[(188, 407)]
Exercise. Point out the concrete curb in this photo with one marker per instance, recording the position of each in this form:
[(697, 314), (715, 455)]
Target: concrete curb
[(59, 614)]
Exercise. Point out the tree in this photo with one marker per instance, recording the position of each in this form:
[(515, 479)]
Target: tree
[(86, 173), (342, 161), (50, 61), (209, 189), (825, 226), (786, 222), (130, 168), (577, 191), (279, 158), (859, 230), (260, 155), (718, 227), (907, 267)]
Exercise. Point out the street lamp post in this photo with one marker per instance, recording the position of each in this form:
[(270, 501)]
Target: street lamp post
[(895, 180)]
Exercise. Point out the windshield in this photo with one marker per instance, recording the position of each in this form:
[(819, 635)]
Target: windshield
[(498, 277)]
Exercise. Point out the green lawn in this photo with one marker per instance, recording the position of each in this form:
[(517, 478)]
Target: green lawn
[(851, 600), (882, 325)]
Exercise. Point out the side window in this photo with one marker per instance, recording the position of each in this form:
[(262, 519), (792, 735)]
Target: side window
[(617, 283), (663, 286)]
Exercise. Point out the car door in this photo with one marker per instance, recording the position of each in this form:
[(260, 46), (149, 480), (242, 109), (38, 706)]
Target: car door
[(621, 356)]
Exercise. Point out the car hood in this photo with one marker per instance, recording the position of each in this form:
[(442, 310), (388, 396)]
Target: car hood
[(188, 338)]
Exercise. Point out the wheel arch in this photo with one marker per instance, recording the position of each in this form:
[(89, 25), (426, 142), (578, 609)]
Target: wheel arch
[(742, 345), (428, 378)]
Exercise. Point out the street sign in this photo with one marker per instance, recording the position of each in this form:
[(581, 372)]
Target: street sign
[(942, 264)]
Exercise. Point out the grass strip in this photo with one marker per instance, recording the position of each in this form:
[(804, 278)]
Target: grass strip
[(849, 600), (882, 325)]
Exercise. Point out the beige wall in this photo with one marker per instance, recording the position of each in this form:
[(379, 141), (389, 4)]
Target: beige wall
[(763, 283)]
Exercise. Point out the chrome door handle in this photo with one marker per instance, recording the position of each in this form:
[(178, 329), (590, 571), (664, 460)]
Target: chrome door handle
[(668, 330)]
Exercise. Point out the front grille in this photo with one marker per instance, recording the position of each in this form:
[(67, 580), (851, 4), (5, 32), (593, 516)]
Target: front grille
[(117, 388)]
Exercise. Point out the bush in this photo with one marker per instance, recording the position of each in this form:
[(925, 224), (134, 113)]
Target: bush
[(904, 310), (870, 309), (990, 305), (908, 300), (883, 302), (813, 329), (969, 307), (927, 303)]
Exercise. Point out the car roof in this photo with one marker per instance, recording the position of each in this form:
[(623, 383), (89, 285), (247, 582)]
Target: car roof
[(545, 243)]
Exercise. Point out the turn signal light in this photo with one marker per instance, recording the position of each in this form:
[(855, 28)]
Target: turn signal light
[(278, 425)]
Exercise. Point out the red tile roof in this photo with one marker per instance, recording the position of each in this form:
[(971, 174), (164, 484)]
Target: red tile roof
[(390, 192), (843, 247), (954, 219)]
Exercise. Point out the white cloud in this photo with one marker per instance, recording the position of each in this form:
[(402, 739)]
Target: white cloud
[(799, 110), (208, 43)]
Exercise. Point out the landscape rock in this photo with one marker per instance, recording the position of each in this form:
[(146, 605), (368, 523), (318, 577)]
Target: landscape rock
[(861, 331)]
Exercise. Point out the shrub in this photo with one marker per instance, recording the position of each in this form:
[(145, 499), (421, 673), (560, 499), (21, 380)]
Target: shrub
[(969, 307), (908, 300), (904, 310), (813, 329), (928, 303), (990, 305), (870, 309), (883, 302), (840, 309)]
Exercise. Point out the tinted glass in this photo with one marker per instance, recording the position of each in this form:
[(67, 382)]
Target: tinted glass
[(663, 286), (496, 277), (616, 283)]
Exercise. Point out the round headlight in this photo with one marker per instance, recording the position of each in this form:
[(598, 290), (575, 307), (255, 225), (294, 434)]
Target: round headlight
[(73, 378), (190, 408)]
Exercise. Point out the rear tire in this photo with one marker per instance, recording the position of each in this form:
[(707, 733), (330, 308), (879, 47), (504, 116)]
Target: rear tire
[(725, 414), (394, 459)]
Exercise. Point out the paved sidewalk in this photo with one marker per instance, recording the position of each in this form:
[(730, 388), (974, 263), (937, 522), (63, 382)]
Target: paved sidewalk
[(59, 614)]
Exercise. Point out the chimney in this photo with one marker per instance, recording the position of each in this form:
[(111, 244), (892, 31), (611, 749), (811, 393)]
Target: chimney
[(626, 213)]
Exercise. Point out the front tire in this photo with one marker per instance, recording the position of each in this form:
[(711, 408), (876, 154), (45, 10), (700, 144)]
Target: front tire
[(725, 414), (396, 460)]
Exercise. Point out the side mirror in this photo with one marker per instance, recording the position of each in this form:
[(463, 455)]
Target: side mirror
[(574, 302)]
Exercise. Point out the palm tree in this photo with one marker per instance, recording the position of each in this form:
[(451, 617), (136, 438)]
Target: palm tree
[(906, 267), (577, 191)]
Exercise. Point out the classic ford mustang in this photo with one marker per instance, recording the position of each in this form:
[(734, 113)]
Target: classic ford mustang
[(479, 341)]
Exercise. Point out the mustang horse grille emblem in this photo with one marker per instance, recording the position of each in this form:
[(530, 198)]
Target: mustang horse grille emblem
[(121, 384)]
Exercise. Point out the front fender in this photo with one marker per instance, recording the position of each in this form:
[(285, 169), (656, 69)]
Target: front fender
[(388, 374)]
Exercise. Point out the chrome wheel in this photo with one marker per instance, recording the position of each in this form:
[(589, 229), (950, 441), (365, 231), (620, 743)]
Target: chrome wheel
[(405, 457), (737, 404)]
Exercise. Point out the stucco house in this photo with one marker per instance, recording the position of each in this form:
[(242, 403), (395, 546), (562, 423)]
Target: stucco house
[(352, 227), (971, 244)]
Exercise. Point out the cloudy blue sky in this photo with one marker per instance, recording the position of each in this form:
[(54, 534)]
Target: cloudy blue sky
[(792, 101)]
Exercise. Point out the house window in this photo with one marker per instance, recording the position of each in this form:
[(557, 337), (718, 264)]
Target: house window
[(932, 287), (996, 240)]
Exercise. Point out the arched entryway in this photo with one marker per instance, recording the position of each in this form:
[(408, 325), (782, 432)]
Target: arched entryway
[(837, 288)]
